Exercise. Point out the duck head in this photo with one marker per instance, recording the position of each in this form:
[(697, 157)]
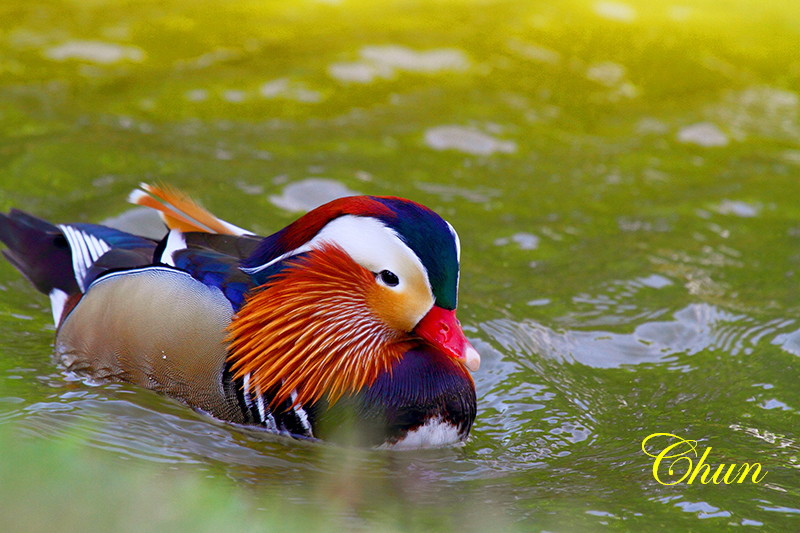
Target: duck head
[(343, 293)]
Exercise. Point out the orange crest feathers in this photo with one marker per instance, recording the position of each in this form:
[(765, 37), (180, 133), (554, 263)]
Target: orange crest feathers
[(313, 332)]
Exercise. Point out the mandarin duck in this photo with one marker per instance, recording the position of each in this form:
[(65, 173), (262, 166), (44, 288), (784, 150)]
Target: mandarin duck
[(340, 326)]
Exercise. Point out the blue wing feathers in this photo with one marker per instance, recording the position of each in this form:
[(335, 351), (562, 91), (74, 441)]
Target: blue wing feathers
[(217, 270), (114, 237), (70, 257)]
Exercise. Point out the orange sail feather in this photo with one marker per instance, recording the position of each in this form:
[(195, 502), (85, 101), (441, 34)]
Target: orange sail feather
[(179, 211)]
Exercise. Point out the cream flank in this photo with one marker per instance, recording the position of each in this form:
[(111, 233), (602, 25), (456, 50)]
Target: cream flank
[(118, 331)]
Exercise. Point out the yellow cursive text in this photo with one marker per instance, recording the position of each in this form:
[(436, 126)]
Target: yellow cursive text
[(679, 451)]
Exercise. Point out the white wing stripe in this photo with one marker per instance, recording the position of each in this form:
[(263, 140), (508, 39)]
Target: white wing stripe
[(79, 258), (58, 300), (80, 255), (264, 412), (86, 249), (97, 247), (175, 242), (302, 416), (246, 391)]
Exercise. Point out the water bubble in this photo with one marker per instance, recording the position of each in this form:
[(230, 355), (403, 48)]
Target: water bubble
[(307, 194), (385, 62), (539, 54), (737, 208), (703, 134), (197, 95), (359, 72), (616, 11), (95, 52), (761, 111), (526, 241), (467, 140), (606, 73), (289, 90), (406, 59), (234, 96)]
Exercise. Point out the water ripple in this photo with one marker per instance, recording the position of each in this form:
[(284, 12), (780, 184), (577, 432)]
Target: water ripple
[(695, 328)]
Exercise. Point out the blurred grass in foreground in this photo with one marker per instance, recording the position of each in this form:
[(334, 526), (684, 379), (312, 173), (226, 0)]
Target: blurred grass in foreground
[(64, 486)]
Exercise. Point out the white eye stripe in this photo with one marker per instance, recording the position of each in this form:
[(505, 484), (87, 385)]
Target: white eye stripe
[(376, 247), (259, 268), (456, 239), (373, 245), (458, 253), (367, 240)]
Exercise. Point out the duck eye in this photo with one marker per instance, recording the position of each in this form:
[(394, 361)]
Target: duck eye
[(389, 278)]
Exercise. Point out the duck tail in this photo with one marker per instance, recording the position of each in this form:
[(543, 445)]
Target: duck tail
[(179, 211), (62, 261), (39, 250)]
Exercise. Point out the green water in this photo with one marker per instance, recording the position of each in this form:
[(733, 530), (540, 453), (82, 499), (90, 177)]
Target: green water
[(623, 177)]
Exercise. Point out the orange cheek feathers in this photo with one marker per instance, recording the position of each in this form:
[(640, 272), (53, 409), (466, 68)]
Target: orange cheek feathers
[(314, 331), (401, 309), (389, 306)]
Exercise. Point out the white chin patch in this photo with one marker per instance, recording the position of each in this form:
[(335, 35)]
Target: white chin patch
[(432, 434)]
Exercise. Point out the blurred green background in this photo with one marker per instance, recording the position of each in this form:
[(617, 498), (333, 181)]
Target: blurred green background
[(624, 179)]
